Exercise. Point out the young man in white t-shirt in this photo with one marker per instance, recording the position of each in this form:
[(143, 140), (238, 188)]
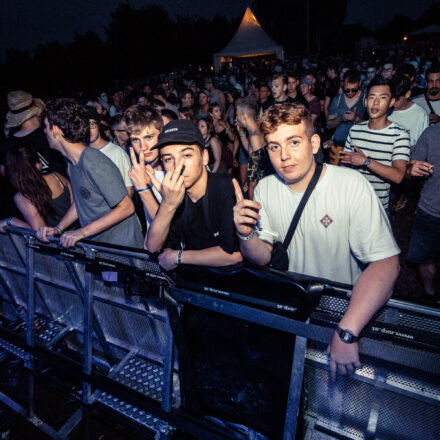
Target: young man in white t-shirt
[(144, 128), (343, 234)]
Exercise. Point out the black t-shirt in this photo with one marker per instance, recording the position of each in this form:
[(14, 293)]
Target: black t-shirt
[(190, 226), (332, 88), (51, 160), (266, 104)]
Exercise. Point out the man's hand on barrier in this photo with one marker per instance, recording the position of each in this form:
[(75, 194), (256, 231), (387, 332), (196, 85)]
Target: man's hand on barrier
[(44, 232), (168, 259), (70, 238), (137, 172), (245, 212), (343, 357), (172, 187)]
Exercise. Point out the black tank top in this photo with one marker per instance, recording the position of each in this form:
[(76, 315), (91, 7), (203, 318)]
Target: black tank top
[(60, 205)]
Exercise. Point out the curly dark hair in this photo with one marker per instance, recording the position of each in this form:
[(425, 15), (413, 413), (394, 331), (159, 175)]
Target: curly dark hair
[(21, 163), (71, 117)]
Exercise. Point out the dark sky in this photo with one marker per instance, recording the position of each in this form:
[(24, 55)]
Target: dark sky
[(25, 23)]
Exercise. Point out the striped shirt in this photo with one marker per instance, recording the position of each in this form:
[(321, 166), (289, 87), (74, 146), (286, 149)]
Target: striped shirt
[(384, 146)]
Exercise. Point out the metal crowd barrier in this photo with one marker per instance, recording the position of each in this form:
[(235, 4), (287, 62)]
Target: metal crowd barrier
[(234, 353)]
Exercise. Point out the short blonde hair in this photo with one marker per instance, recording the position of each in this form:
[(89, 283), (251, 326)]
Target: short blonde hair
[(290, 114)]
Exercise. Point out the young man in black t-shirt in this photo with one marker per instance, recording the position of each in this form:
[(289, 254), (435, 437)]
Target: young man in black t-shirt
[(194, 223)]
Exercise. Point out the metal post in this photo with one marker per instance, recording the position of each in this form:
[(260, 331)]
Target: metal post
[(30, 314), (296, 379), (88, 330)]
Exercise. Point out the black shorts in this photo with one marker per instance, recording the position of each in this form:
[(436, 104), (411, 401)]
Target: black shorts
[(424, 246)]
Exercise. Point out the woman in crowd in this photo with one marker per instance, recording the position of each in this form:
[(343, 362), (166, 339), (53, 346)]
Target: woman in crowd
[(43, 200), (212, 144), (226, 136)]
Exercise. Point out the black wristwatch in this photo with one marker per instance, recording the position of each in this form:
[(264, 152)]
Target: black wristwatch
[(346, 335), (367, 162)]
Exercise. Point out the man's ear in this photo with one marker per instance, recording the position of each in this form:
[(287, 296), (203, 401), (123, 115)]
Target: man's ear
[(316, 143), (57, 133), (408, 94), (205, 157), (393, 100)]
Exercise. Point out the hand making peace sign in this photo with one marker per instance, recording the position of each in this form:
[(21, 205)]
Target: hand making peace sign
[(137, 172)]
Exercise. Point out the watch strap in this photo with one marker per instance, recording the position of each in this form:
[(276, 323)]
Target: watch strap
[(346, 336)]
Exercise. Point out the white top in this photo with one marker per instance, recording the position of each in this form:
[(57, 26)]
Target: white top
[(120, 158), (384, 146), (159, 175), (343, 226), (421, 100), (415, 119)]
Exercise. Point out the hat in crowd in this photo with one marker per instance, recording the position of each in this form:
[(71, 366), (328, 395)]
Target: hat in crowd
[(22, 106), (205, 92), (278, 68), (306, 81), (180, 131)]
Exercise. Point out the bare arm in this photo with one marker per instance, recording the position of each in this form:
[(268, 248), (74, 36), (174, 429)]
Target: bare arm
[(394, 173), (120, 212), (372, 290), (334, 121), (217, 152), (29, 211), (214, 256), (326, 105)]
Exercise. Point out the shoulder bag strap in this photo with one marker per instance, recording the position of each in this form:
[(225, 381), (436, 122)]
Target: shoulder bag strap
[(429, 104), (302, 204)]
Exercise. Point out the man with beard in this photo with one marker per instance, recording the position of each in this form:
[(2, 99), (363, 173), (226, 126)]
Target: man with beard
[(430, 101)]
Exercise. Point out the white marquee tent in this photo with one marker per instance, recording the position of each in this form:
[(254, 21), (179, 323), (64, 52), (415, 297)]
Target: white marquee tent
[(250, 40)]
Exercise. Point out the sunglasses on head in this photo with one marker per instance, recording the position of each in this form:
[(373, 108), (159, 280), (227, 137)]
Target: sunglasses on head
[(351, 90)]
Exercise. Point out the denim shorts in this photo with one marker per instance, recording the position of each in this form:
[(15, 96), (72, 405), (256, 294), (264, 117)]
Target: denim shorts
[(424, 246), (242, 156)]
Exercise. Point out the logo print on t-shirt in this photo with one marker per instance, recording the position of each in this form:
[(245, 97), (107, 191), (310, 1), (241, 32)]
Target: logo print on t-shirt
[(85, 193), (326, 221)]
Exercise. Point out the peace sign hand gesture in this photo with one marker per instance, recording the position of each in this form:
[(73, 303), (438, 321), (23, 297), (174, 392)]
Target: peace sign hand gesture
[(246, 212), (172, 188), (137, 172)]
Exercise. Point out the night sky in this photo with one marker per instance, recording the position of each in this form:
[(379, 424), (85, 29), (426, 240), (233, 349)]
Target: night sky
[(25, 23)]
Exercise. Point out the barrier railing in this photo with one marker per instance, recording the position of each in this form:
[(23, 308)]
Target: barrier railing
[(244, 336)]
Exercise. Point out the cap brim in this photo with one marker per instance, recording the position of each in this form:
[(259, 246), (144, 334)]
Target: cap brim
[(162, 144)]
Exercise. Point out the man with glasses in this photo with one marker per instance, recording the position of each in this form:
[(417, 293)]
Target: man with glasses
[(388, 70), (346, 108)]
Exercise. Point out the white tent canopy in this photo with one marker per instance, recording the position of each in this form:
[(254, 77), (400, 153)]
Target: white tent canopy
[(249, 40)]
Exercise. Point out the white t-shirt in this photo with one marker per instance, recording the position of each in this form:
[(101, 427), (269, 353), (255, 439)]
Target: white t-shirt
[(421, 100), (120, 158), (343, 226), (415, 119), (159, 175)]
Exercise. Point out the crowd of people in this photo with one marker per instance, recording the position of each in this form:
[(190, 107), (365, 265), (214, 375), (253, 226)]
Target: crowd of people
[(298, 166)]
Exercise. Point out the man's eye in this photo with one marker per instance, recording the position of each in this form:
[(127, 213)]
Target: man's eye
[(294, 143), (187, 156), (274, 147), (135, 141)]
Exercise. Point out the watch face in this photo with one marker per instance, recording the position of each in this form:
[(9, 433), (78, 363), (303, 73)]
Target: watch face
[(346, 337)]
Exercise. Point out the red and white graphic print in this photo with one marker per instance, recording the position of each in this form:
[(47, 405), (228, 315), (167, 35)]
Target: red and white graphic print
[(326, 221)]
